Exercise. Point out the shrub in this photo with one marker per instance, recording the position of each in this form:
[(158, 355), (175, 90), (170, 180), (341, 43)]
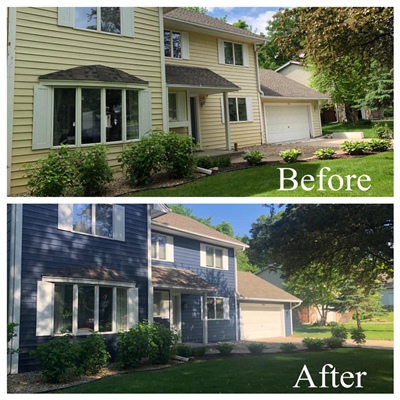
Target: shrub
[(380, 145), (339, 332), (184, 350), (10, 335), (225, 348), (333, 342), (288, 347), (60, 359), (358, 335), (199, 351), (382, 131), (162, 342), (206, 162), (314, 344), (69, 172), (254, 157), (222, 162), (355, 148), (94, 354), (325, 154), (290, 155), (256, 348), (388, 113)]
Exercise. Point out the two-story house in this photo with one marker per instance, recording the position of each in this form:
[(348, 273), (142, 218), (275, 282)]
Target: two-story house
[(78, 268), (85, 75)]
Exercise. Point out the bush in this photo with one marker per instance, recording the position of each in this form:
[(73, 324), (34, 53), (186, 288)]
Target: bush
[(358, 335), (184, 350), (314, 344), (256, 348), (333, 342), (325, 154), (382, 130), (206, 162), (225, 348), (162, 343), (288, 347), (388, 113), (254, 157), (339, 332), (10, 335), (290, 155), (380, 145), (60, 359), (69, 172), (355, 148), (222, 162), (94, 354), (199, 351)]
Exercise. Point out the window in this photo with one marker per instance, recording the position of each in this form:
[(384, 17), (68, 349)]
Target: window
[(230, 53), (102, 220), (213, 257), (240, 109), (115, 20), (81, 307), (217, 308), (161, 304), (177, 108), (176, 44), (161, 247)]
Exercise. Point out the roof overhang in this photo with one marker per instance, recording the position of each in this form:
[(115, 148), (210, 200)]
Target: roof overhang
[(262, 300), (293, 98)]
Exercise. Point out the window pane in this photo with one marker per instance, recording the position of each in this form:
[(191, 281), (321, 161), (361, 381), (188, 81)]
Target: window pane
[(104, 220), (218, 258), (85, 308), (90, 116), (86, 17), (122, 310), (209, 256), (132, 114), (238, 54), (219, 306), (176, 41), (211, 308), (110, 19), (114, 116), (157, 304), (242, 109), (228, 47), (64, 116), (105, 309), (82, 218), (162, 242), (167, 43), (232, 110), (63, 308), (173, 115)]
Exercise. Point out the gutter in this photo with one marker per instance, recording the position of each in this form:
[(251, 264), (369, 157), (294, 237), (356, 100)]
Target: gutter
[(260, 92), (241, 298)]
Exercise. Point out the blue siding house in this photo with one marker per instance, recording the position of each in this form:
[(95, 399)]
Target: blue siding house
[(78, 268)]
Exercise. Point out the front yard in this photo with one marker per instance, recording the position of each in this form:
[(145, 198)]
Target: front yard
[(367, 129)]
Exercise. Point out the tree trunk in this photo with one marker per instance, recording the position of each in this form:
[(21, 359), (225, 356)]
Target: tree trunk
[(358, 320)]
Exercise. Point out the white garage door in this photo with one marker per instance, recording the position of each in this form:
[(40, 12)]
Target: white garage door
[(259, 321), (287, 123)]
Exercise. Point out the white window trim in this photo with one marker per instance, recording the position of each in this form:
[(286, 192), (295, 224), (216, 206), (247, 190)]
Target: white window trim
[(45, 304), (169, 248), (185, 55), (65, 217), (203, 256), (221, 53), (226, 308), (249, 110)]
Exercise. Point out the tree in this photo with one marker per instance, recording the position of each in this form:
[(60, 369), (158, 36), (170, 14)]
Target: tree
[(200, 10), (242, 25)]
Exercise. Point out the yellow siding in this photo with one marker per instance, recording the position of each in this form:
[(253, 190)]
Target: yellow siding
[(298, 73), (203, 51), (43, 47)]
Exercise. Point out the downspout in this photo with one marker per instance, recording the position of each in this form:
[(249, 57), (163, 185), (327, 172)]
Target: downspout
[(150, 290), (11, 41), (164, 89), (291, 314), (260, 93)]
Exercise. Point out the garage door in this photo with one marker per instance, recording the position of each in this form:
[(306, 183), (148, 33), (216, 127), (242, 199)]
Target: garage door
[(260, 321), (287, 123)]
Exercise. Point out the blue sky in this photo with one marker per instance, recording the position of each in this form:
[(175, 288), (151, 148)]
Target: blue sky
[(240, 216), (256, 17)]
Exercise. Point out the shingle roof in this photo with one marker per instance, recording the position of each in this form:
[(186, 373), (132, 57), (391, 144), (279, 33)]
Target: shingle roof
[(251, 286), (175, 278), (90, 272), (189, 225), (180, 14), (196, 77), (94, 73), (278, 85)]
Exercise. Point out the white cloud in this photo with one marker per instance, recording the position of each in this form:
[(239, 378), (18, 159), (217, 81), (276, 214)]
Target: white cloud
[(258, 23)]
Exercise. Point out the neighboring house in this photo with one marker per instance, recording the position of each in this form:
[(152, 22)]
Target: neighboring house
[(265, 310), (82, 267), (290, 109), (81, 76), (387, 293)]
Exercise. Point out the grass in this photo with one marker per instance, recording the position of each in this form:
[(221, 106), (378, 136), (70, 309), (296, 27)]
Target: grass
[(264, 181), (348, 127), (269, 373)]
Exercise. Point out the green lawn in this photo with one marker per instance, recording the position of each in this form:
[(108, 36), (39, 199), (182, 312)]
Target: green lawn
[(269, 373), (264, 181), (348, 127)]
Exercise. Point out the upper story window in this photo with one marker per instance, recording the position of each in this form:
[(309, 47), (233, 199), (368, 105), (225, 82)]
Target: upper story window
[(102, 220), (103, 19), (230, 53), (176, 44), (213, 257), (162, 247)]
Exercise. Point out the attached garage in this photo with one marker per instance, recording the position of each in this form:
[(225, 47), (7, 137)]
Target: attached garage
[(291, 110), (265, 310)]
